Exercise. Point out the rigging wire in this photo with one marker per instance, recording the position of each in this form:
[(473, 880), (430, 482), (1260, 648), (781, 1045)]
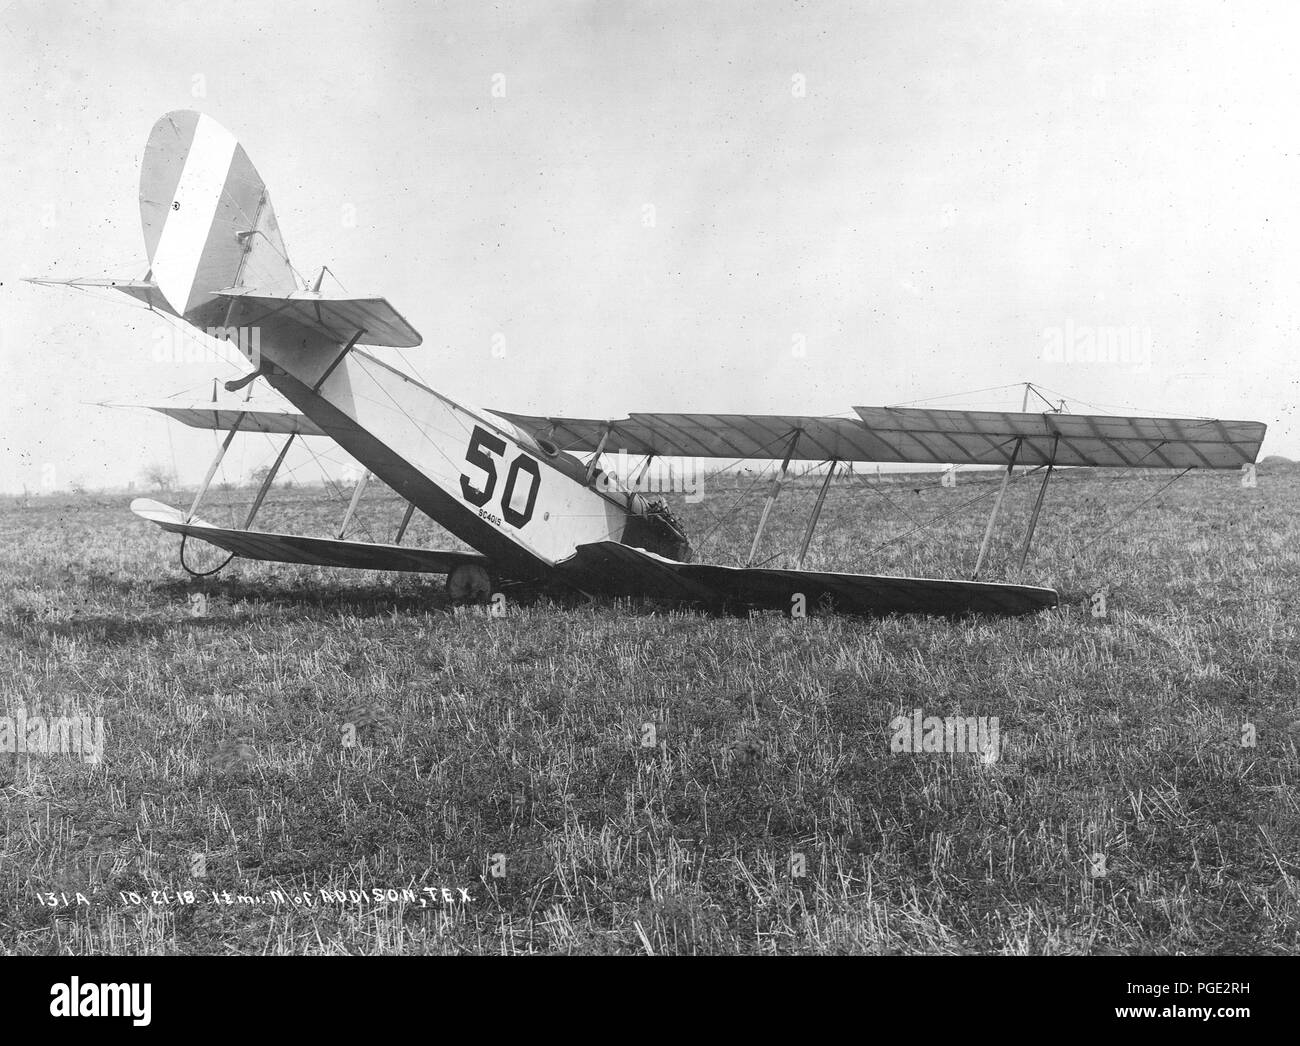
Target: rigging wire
[(341, 496), (1131, 512), (958, 395), (951, 512), (1106, 408), (863, 481), (727, 515), (265, 201)]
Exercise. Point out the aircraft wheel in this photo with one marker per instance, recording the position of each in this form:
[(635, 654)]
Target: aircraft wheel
[(469, 583)]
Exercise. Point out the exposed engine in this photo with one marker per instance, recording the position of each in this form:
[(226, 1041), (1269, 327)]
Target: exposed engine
[(654, 527)]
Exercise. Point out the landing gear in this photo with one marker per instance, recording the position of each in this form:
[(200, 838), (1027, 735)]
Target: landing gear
[(469, 583)]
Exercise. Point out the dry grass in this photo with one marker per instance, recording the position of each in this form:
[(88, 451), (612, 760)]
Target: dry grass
[(522, 737)]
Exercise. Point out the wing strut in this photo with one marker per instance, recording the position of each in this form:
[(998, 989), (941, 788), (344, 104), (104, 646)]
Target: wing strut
[(406, 519), (352, 505), (266, 483), (1006, 478), (1033, 518), (216, 463), (816, 514), (772, 492), (600, 449), (645, 467), (1038, 506), (997, 504), (337, 360)]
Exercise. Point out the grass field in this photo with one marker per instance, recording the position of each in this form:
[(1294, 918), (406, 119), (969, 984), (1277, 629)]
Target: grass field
[(621, 778)]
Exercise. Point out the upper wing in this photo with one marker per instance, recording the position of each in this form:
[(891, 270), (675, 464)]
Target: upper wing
[(610, 567), (991, 437), (890, 434), (223, 417), (291, 548), (711, 435)]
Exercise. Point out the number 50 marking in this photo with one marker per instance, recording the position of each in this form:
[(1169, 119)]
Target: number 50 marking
[(482, 446)]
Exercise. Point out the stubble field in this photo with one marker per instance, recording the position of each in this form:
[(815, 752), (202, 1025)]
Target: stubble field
[(332, 762)]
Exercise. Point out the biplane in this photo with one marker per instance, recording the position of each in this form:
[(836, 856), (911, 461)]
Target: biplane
[(515, 487)]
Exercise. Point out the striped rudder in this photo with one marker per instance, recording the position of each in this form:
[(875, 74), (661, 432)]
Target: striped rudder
[(207, 217)]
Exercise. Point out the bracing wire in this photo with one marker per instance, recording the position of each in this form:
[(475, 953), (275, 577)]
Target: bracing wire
[(1133, 511)]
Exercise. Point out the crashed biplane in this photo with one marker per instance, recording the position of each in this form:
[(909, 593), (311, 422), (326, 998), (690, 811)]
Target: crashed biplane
[(512, 486)]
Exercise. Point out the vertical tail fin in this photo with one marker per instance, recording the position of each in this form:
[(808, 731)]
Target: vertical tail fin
[(207, 217)]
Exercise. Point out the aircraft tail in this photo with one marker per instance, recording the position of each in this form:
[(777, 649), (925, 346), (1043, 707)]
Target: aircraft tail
[(216, 256), (208, 221)]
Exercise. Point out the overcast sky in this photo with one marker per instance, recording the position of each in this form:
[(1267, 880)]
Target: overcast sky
[(678, 206)]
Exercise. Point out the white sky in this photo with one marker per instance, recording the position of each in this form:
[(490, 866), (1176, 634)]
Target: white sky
[(957, 179)]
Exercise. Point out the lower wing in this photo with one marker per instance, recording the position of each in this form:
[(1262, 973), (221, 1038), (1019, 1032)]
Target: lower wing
[(609, 567), (289, 548)]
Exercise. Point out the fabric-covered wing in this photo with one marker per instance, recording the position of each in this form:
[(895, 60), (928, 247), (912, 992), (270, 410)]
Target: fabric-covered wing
[(289, 548), (608, 567), (990, 438), (888, 434), (222, 417), (711, 435), (339, 318)]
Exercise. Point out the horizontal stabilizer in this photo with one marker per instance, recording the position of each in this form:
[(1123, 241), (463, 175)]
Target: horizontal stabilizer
[(319, 552), (338, 318), (616, 569)]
